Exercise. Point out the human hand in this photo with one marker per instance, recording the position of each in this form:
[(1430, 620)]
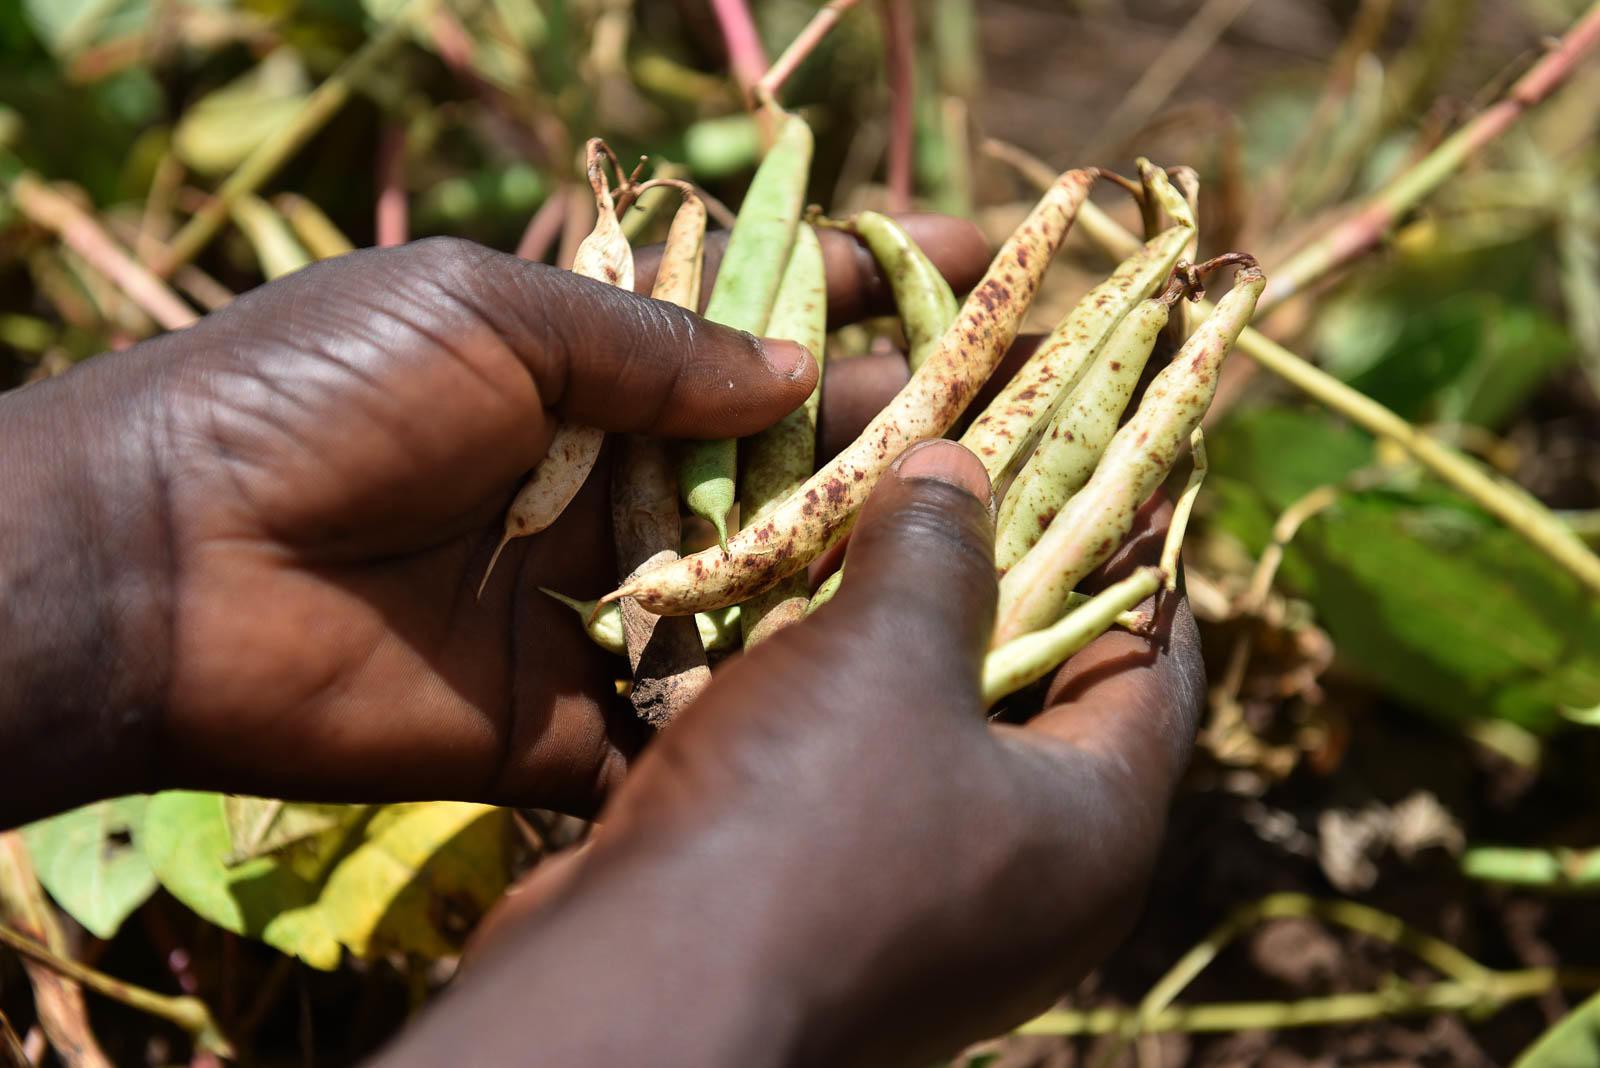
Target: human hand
[(833, 856), (254, 544)]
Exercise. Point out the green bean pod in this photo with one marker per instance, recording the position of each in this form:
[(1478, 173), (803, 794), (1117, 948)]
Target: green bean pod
[(719, 629), (780, 459), (926, 304), (1070, 449), (1007, 431), (1031, 657), (1088, 529), (746, 287), (825, 592)]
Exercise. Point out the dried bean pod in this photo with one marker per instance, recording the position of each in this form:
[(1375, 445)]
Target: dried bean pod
[(1094, 522), (823, 509), (604, 256), (1070, 449), (667, 657), (780, 459), (747, 285)]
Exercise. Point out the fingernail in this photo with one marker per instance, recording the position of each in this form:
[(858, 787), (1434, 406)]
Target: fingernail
[(786, 358), (946, 462)]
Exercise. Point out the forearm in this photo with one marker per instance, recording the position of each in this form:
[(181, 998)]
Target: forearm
[(79, 574)]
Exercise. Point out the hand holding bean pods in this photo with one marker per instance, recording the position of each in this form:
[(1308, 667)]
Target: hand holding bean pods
[(1071, 480)]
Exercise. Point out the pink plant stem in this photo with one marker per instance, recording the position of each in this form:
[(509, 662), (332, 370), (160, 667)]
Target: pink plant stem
[(1363, 230), (79, 231), (393, 213), (802, 46), (544, 227), (900, 45), (746, 58)]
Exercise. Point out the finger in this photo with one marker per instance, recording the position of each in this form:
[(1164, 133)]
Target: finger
[(608, 358), (921, 573), (1134, 697), (856, 288)]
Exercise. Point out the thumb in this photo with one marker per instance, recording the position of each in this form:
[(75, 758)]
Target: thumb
[(611, 359), (919, 572)]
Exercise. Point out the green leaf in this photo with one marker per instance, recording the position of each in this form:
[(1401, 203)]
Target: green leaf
[(222, 127), (1573, 1042), (1468, 357), (258, 826), (87, 861), (1423, 595), (68, 25), (409, 878), (185, 836)]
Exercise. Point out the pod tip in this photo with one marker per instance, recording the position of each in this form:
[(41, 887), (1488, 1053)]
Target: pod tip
[(505, 539)]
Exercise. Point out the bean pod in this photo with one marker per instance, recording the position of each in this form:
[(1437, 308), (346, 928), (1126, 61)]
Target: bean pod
[(1034, 593), (746, 287), (822, 510)]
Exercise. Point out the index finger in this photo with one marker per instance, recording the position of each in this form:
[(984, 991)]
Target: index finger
[(856, 288)]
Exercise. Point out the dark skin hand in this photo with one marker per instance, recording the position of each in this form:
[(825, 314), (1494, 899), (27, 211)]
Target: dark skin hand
[(247, 552), (243, 557), (834, 848)]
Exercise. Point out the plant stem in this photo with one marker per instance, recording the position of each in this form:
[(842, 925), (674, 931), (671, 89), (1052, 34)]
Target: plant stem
[(1156, 85), (81, 233), (1470, 985), (1398, 999), (545, 226), (802, 46), (186, 1012), (393, 224), (1501, 498), (1498, 496), (1363, 230), (11, 1052), (900, 61), (747, 59), (272, 153)]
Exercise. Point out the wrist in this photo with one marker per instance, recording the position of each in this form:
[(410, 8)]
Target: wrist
[(84, 589)]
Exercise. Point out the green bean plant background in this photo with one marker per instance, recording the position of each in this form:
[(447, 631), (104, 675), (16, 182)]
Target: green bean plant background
[(1382, 854)]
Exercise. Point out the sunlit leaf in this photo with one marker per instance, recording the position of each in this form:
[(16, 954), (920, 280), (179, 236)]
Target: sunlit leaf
[(222, 127), (185, 836), (86, 859), (1573, 1042), (411, 878), (420, 880), (258, 826)]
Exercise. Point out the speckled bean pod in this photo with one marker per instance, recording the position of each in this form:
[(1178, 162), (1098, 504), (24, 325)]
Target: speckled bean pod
[(1007, 431), (1034, 593), (1070, 449), (822, 510), (606, 257)]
